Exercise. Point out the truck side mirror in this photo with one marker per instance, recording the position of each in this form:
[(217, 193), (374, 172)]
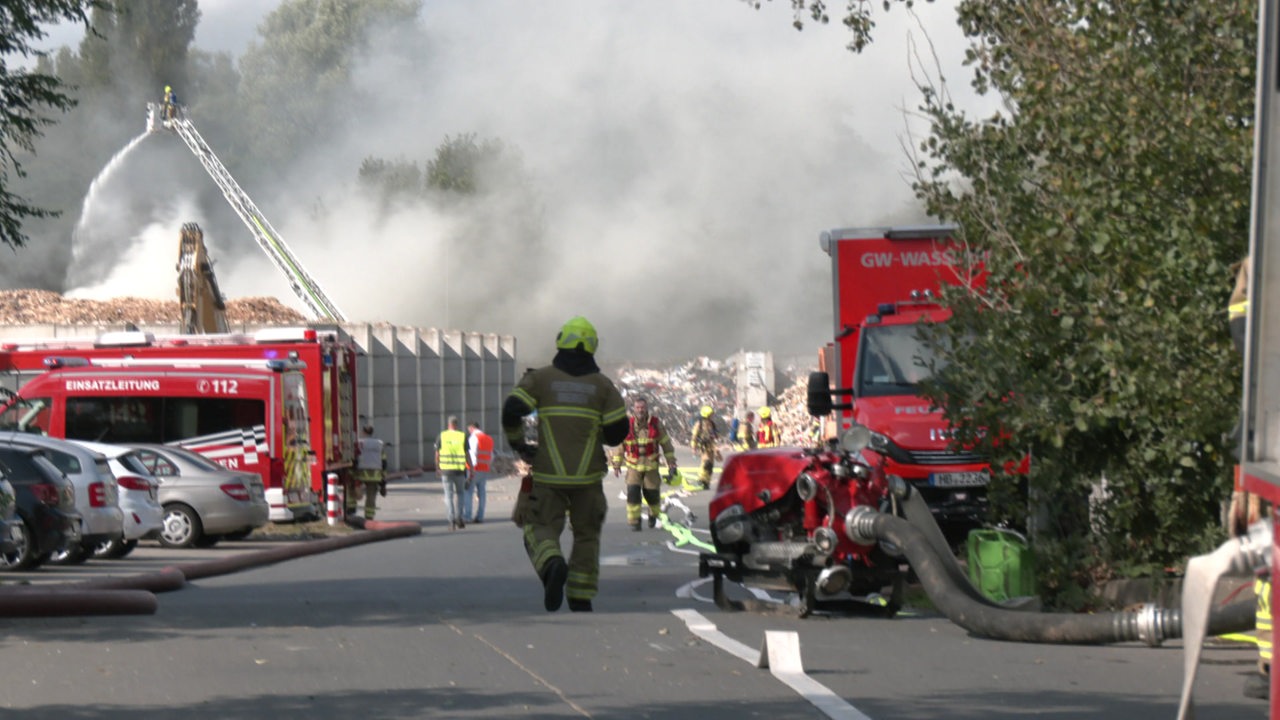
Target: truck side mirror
[(818, 398)]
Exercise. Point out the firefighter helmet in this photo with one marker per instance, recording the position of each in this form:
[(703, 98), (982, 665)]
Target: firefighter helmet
[(706, 411), (578, 332), (765, 412), (168, 89)]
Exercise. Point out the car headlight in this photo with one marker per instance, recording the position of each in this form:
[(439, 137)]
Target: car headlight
[(884, 445), (731, 525)]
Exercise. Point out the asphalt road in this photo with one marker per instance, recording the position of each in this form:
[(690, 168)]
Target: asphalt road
[(451, 625)]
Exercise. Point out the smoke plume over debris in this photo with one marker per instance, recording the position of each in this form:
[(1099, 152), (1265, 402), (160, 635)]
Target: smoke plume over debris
[(681, 160)]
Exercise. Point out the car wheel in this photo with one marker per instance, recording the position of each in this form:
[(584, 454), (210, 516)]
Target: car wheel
[(238, 535), (114, 549), (24, 555), (181, 528), (207, 541), (73, 555)]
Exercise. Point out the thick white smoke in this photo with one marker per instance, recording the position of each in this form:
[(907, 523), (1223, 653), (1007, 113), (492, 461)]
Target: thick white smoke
[(684, 157)]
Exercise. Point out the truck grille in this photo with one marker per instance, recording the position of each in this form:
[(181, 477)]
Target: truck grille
[(943, 457)]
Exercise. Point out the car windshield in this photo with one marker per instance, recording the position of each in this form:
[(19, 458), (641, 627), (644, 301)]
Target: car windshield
[(24, 415)]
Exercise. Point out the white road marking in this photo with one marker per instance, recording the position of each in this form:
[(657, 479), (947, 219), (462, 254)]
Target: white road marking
[(784, 664)]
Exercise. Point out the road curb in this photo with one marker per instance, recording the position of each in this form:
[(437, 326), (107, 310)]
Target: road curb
[(135, 595)]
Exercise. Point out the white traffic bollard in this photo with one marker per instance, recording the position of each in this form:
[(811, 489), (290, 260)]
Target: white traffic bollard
[(333, 499)]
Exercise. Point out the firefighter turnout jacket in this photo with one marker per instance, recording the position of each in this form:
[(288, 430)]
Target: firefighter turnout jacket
[(571, 409), (640, 449)]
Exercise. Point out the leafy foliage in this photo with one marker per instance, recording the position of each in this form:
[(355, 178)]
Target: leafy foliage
[(25, 96), (295, 80), (857, 17), (1109, 202)]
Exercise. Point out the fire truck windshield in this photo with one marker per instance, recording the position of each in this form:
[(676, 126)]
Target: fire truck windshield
[(24, 415), (893, 360)]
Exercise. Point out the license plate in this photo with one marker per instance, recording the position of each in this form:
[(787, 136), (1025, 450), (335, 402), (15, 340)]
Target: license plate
[(974, 478)]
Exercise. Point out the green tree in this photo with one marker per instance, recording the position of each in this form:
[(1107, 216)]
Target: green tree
[(1109, 202), (463, 165), (296, 87), (29, 95), (390, 181)]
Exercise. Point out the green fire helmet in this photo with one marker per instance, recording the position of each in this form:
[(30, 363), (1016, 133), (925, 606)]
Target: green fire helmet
[(578, 331)]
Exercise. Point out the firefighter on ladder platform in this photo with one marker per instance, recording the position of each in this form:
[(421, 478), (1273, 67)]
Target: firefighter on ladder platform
[(170, 107)]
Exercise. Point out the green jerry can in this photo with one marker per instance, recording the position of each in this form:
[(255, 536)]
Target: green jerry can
[(1000, 564)]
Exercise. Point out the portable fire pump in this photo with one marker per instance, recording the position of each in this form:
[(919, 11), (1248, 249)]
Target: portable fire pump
[(783, 519)]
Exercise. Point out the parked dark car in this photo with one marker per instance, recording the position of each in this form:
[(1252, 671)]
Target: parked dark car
[(46, 504)]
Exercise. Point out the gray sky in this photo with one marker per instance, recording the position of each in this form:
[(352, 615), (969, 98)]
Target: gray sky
[(686, 154)]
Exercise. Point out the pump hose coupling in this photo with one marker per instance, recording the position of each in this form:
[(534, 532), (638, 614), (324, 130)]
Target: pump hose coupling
[(859, 524)]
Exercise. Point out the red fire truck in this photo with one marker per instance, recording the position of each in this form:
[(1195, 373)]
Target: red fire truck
[(327, 368), (884, 282), (247, 415)]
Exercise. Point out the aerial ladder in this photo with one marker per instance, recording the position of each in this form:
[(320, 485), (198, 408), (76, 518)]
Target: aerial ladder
[(172, 117), (204, 311)]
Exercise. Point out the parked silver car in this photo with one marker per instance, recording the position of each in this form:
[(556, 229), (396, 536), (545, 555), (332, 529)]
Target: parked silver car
[(97, 494), (203, 501), (139, 498)]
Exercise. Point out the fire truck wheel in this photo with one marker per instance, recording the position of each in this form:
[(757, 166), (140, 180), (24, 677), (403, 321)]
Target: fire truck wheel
[(181, 528), (114, 549), (24, 557)]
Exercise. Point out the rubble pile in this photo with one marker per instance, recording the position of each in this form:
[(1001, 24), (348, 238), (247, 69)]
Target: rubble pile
[(791, 415), (677, 392), (36, 307)]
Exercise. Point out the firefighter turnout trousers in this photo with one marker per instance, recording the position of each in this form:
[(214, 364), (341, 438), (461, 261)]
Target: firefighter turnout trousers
[(646, 485), (1262, 623), (585, 506)]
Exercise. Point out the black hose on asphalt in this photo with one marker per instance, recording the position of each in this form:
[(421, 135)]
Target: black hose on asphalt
[(1148, 624)]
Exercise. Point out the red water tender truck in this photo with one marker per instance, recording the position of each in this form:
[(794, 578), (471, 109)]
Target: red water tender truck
[(328, 376), (885, 282)]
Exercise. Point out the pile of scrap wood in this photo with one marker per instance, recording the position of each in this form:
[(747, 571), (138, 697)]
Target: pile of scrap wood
[(44, 307)]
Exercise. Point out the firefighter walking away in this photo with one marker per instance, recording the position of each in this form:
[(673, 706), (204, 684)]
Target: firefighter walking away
[(579, 411)]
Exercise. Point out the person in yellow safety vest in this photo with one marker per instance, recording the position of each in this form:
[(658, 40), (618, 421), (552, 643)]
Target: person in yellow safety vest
[(370, 474), (639, 450), (453, 465), (480, 448), (767, 435), (746, 438), (580, 411), (705, 442)]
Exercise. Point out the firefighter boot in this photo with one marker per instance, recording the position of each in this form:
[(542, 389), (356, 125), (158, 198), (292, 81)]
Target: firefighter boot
[(633, 515), (554, 575), (579, 605)]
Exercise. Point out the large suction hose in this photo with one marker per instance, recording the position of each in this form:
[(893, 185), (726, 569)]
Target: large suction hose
[(1239, 554), (955, 598)]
